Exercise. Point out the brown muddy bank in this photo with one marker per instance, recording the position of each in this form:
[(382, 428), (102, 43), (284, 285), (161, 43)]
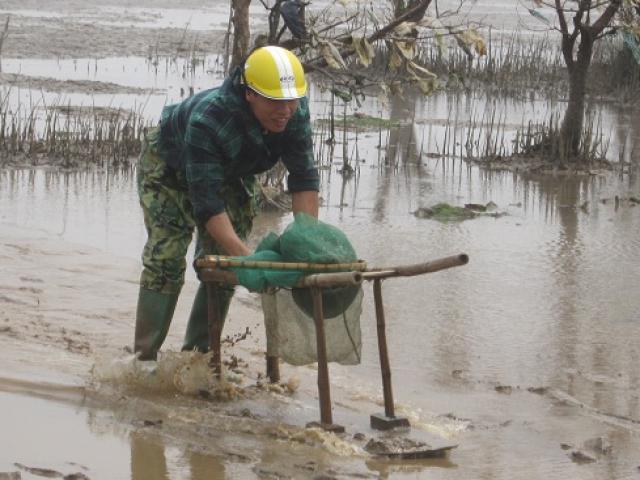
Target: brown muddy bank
[(12, 80)]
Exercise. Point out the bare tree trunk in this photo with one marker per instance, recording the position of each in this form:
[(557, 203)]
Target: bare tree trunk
[(241, 32), (585, 33), (573, 121)]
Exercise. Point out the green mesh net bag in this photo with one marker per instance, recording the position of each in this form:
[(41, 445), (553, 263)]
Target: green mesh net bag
[(291, 334), (289, 311), (306, 240)]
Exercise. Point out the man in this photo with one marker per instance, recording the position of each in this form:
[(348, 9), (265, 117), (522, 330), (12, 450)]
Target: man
[(197, 171)]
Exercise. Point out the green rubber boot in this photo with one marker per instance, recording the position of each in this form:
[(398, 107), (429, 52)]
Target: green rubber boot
[(153, 317), (197, 334)]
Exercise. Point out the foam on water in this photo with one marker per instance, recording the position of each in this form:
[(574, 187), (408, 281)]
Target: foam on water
[(321, 438), (443, 426)]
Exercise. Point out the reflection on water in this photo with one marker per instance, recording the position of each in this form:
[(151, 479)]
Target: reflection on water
[(98, 208), (149, 460), (43, 434), (563, 241)]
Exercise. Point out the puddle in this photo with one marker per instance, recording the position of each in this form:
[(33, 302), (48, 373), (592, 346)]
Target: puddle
[(60, 437)]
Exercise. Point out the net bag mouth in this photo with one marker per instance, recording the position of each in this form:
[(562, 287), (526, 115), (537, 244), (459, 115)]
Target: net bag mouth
[(335, 300)]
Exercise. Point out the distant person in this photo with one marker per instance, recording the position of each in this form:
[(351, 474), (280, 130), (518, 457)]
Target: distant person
[(196, 171)]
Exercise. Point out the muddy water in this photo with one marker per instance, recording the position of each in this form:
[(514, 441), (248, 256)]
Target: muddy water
[(526, 358), (528, 347)]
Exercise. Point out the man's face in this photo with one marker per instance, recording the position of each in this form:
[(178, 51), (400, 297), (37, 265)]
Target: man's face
[(273, 115)]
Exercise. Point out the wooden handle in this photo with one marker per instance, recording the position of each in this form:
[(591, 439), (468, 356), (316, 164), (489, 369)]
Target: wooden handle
[(418, 268), (331, 279)]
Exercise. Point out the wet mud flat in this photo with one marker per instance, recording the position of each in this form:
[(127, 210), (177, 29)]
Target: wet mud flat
[(68, 29), (68, 375), (62, 30)]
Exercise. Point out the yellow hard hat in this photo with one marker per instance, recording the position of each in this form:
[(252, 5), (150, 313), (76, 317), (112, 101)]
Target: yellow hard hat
[(276, 73)]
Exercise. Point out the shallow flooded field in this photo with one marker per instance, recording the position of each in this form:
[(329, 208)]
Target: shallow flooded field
[(525, 359)]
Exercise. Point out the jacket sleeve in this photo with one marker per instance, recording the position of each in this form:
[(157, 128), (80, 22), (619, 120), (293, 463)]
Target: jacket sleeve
[(204, 169), (297, 153)]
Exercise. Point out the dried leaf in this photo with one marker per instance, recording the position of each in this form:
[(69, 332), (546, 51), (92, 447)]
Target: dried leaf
[(480, 46), (463, 45), (313, 38), (440, 31), (426, 85), (440, 43), (396, 88), (406, 48), (383, 96), (471, 38), (419, 71), (395, 60), (332, 55), (363, 49), (405, 29)]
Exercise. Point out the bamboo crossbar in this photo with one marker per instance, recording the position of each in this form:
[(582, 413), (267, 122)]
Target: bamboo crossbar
[(315, 280), (210, 269), (221, 261)]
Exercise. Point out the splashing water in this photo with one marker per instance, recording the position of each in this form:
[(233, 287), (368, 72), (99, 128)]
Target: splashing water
[(183, 372)]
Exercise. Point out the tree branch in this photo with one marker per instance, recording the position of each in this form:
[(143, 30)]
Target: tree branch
[(563, 21), (320, 62), (423, 5), (605, 18), (568, 40)]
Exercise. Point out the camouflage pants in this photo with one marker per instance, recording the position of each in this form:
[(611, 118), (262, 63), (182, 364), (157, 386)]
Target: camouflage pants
[(169, 220)]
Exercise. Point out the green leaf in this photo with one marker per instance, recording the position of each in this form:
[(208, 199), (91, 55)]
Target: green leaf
[(345, 96), (632, 42), (535, 13)]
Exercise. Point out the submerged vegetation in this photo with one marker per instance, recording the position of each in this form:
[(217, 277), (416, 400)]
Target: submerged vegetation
[(363, 122), (68, 136), (445, 212)]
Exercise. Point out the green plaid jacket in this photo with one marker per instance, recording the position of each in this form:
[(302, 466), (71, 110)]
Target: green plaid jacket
[(216, 141)]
